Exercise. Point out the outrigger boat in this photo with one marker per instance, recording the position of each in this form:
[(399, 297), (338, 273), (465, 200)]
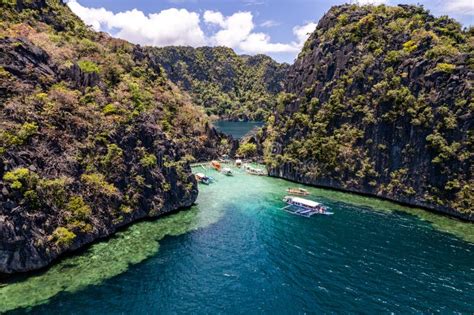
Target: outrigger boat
[(304, 207), (227, 171), (297, 191), (255, 171), (202, 178), (216, 165)]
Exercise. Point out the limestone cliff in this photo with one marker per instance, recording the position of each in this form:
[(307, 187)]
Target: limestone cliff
[(380, 102), (92, 135)]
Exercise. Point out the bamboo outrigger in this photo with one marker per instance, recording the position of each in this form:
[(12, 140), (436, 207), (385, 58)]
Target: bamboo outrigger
[(304, 207)]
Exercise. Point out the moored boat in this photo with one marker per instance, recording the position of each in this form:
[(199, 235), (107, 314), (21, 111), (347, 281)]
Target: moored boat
[(216, 165), (255, 171), (238, 163), (227, 171), (202, 178), (297, 191), (304, 207)]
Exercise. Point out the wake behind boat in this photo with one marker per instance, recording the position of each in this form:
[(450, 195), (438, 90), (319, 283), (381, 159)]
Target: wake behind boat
[(304, 207)]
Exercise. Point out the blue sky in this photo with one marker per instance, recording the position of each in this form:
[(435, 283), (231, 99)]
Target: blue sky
[(274, 27)]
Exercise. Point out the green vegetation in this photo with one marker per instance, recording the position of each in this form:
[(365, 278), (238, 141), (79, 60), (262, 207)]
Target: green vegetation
[(62, 237), (18, 137), (88, 66), (78, 208), (247, 150), (98, 183), (225, 84), (445, 67), (110, 109), (20, 178), (148, 160)]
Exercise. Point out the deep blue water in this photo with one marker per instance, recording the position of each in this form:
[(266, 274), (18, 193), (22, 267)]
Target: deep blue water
[(237, 129), (259, 259)]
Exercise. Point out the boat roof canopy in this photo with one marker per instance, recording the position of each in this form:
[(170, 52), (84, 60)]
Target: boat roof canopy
[(306, 202)]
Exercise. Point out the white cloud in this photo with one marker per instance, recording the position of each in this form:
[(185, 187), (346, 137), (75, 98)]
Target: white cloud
[(214, 17), (93, 17), (253, 2), (269, 23), (372, 2), (259, 43), (181, 27), (234, 29), (465, 7), (168, 27), (302, 32)]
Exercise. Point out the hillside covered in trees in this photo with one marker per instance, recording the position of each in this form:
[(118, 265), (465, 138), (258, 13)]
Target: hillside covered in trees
[(227, 85), (380, 102), (92, 135)]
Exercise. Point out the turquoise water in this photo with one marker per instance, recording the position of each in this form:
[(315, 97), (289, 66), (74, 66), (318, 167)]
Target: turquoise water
[(237, 129), (237, 252)]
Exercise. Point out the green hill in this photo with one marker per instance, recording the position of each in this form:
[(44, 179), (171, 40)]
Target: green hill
[(227, 85)]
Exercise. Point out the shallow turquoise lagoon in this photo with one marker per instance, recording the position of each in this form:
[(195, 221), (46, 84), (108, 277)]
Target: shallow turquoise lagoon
[(237, 252)]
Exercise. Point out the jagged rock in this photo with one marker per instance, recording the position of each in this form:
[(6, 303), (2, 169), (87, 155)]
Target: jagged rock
[(80, 78)]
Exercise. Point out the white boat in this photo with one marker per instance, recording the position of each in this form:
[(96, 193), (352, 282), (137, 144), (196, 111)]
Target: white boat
[(304, 207), (297, 191), (227, 171), (255, 171), (238, 163), (202, 178)]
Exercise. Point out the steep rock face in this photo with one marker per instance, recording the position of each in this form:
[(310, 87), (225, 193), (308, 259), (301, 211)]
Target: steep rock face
[(224, 83), (380, 102), (92, 136)]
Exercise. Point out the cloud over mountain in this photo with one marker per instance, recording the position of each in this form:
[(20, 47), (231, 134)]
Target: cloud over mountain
[(182, 27)]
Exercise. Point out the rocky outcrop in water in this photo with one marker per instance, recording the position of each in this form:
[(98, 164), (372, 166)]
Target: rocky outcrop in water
[(379, 102)]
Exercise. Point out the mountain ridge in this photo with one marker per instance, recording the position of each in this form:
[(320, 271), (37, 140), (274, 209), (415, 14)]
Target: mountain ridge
[(227, 85)]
